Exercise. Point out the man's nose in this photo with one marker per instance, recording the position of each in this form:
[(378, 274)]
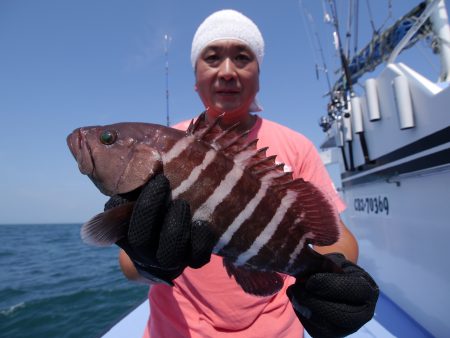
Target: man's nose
[(227, 69)]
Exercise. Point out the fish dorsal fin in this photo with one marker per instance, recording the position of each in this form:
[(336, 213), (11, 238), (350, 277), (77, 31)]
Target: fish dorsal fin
[(210, 132), (200, 127), (236, 146), (255, 282), (228, 141)]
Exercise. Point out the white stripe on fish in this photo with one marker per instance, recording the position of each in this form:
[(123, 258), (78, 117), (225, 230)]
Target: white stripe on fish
[(194, 175), (205, 211), (293, 256), (265, 236), (246, 213), (178, 148)]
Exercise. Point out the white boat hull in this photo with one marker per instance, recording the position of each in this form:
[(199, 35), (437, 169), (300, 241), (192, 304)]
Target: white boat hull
[(403, 242)]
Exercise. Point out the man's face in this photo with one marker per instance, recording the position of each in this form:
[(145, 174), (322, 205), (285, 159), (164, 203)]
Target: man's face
[(227, 78)]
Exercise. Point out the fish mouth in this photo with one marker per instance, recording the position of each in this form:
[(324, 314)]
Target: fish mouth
[(81, 152), (73, 143)]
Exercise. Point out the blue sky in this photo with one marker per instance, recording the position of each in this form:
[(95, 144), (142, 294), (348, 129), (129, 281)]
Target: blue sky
[(66, 64)]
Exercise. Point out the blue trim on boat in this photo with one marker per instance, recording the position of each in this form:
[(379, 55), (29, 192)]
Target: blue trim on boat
[(436, 139), (397, 321), (430, 161)]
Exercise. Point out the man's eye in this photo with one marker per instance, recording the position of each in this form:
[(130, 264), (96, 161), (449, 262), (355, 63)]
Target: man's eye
[(211, 58), (243, 58)]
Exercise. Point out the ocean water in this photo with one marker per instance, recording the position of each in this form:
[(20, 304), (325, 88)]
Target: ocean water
[(54, 285)]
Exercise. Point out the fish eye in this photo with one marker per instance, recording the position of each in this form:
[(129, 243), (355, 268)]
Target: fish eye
[(108, 137)]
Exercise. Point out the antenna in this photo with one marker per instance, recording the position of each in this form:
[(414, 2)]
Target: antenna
[(167, 39)]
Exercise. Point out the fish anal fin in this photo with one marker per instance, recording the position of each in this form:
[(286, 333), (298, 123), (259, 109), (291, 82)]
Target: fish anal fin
[(254, 282), (107, 227)]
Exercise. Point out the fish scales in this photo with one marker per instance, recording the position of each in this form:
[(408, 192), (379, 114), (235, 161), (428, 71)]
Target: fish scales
[(252, 245), (244, 235), (236, 212), (198, 181), (197, 169), (207, 185), (264, 237), (262, 218), (282, 241), (247, 241), (208, 210), (198, 190)]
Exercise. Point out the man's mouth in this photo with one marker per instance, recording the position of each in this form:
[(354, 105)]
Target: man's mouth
[(227, 92)]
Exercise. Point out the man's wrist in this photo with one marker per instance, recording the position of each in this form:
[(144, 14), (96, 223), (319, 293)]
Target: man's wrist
[(158, 275)]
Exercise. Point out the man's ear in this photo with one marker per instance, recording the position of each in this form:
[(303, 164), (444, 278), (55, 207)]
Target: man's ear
[(196, 88)]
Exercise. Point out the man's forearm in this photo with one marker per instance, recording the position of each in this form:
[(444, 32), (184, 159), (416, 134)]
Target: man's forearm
[(346, 245)]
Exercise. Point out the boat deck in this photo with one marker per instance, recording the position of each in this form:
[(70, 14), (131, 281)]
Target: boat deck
[(389, 321)]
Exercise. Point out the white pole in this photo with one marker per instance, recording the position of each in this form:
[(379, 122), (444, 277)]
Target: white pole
[(439, 22), (413, 30)]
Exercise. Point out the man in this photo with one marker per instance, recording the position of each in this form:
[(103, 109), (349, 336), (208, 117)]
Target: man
[(197, 297)]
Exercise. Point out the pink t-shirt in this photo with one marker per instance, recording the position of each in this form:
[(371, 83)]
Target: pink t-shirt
[(206, 302)]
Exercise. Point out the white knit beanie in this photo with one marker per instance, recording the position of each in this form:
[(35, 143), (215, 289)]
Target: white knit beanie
[(228, 24)]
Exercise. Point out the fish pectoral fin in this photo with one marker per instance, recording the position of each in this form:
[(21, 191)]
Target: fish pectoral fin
[(254, 282), (107, 227)]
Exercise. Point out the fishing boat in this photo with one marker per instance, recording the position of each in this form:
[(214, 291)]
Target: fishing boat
[(391, 140), (389, 134)]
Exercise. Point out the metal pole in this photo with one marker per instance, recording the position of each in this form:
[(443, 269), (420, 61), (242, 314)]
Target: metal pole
[(413, 30)]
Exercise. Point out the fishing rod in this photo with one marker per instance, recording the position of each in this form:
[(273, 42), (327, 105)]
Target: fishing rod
[(311, 28), (344, 61), (167, 40), (340, 101)]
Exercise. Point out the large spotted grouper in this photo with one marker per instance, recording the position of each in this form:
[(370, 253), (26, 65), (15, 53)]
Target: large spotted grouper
[(263, 221)]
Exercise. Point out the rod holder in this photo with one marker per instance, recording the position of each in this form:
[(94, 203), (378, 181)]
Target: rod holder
[(372, 99), (357, 115), (404, 102)]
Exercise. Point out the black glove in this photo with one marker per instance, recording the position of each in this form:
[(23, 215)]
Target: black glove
[(162, 239), (334, 304)]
